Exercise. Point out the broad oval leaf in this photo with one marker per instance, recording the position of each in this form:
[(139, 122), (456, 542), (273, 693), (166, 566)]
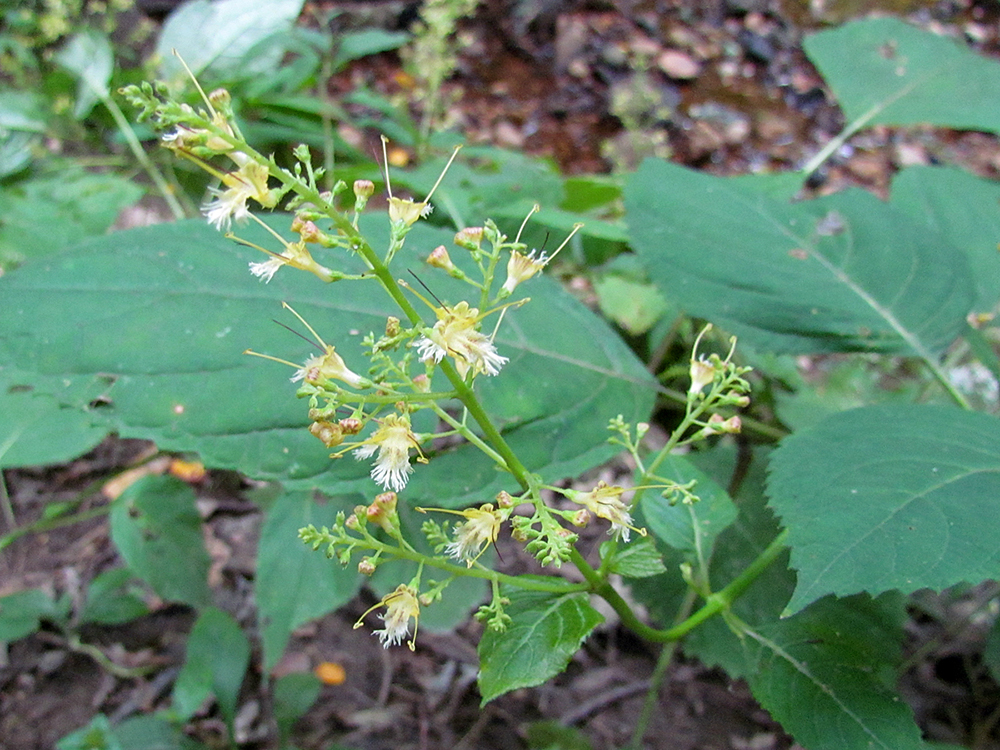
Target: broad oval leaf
[(827, 675), (889, 497), (546, 630), (841, 273), (884, 71), (963, 208), (168, 311), (295, 583)]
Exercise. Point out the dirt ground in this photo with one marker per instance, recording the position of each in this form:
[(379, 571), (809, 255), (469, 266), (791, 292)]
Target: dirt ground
[(722, 86)]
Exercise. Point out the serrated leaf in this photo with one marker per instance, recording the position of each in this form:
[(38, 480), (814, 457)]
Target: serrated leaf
[(963, 208), (638, 559), (547, 629), (828, 675), (156, 528), (841, 273), (885, 71), (217, 656), (167, 311), (294, 583), (689, 528), (889, 497)]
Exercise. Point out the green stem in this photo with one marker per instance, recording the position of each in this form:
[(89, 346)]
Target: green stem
[(555, 586), (165, 190), (45, 524)]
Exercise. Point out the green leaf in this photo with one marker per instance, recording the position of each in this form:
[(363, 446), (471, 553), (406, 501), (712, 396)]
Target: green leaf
[(884, 71), (183, 308), (294, 583), (97, 735), (828, 675), (963, 208), (841, 273), (293, 695), (156, 528), (635, 306), (638, 559), (22, 612), (88, 57), (547, 629), (76, 204), (38, 429), (364, 42), (714, 642), (153, 733), (689, 528), (109, 601), (889, 497), (213, 37), (551, 735), (217, 656)]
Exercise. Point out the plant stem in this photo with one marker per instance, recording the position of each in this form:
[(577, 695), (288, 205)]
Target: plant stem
[(165, 190)]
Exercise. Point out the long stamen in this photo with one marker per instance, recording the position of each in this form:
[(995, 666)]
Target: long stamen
[(443, 172), (385, 165), (195, 80), (303, 322), (534, 210)]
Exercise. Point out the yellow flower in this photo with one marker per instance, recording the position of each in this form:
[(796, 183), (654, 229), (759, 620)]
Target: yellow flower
[(393, 440), (328, 366), (455, 335), (479, 529), (404, 212), (400, 606), (605, 501), (249, 181)]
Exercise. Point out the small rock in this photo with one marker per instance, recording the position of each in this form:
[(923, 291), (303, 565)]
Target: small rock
[(678, 65)]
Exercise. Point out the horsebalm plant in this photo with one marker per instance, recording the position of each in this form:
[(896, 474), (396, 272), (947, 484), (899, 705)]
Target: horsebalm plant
[(429, 363)]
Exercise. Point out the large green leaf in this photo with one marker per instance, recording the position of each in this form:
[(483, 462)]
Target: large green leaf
[(841, 273), (890, 497), (50, 427), (546, 630), (884, 71), (167, 311), (965, 209), (828, 675), (294, 583), (213, 38)]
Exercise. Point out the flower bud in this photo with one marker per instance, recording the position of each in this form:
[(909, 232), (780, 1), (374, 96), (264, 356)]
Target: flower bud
[(581, 517), (470, 238), (364, 189), (309, 232), (220, 98), (350, 425), (439, 259), (329, 434), (352, 521), (422, 384), (391, 326), (504, 500), (366, 566)]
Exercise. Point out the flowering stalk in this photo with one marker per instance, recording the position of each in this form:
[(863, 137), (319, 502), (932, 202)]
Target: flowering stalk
[(370, 414)]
